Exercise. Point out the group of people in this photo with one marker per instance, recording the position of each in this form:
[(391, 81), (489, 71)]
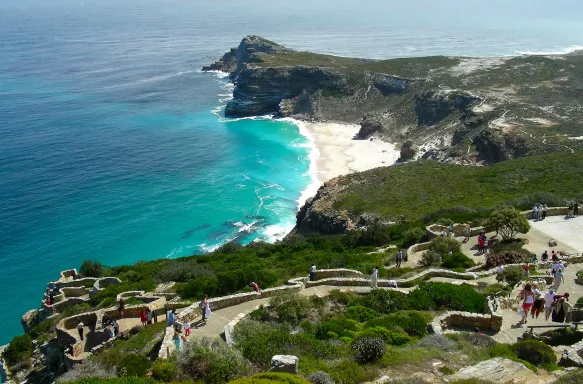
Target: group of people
[(482, 242), (555, 306), (146, 317), (539, 212)]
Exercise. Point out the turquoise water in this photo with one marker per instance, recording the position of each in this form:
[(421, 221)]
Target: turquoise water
[(112, 144)]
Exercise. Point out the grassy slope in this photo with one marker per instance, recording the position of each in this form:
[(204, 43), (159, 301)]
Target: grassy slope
[(420, 188)]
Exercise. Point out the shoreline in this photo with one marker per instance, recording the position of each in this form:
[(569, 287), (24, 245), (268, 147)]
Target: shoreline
[(335, 152)]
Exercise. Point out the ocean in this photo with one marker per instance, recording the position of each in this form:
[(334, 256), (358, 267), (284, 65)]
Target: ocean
[(113, 146)]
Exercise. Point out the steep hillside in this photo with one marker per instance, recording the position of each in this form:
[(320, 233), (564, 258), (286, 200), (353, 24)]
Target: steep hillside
[(453, 109)]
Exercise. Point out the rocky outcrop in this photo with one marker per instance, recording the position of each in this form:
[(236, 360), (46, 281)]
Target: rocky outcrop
[(499, 370), (432, 107), (494, 145)]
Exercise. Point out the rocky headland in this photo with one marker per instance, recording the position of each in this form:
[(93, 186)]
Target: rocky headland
[(451, 109)]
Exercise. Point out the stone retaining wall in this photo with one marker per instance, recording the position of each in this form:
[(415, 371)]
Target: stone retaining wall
[(75, 291), (467, 320), (417, 247)]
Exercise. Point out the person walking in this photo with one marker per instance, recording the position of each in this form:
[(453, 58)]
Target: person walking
[(539, 213), (187, 328), (399, 258), (534, 212), (570, 210), (373, 277), (562, 310), (537, 308), (559, 278), (171, 317), (545, 256), (467, 233), (149, 315), (204, 305), (115, 327), (451, 230), (527, 296), (144, 318), (80, 329), (313, 272), (575, 209), (545, 209), (121, 307), (549, 299)]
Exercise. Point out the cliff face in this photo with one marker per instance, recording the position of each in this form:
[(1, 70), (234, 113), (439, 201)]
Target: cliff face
[(457, 110)]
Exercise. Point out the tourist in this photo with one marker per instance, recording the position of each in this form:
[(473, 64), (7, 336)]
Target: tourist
[(187, 328), (467, 233), (549, 299), (527, 296), (144, 318), (539, 213), (575, 209), (562, 310), (537, 307), (544, 257), (255, 287), (204, 305), (121, 307), (149, 315), (559, 278), (526, 269), (485, 244), (177, 343), (480, 243), (443, 233), (534, 212), (313, 272), (534, 260), (171, 317), (451, 230), (570, 209), (80, 329), (554, 256), (500, 269), (373, 277), (115, 327), (545, 209), (399, 258), (392, 283)]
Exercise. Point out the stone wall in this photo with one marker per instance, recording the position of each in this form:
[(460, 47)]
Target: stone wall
[(466, 320), (339, 272), (417, 247), (75, 291), (76, 283)]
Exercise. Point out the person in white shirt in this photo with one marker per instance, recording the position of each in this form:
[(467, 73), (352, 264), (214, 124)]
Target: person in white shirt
[(500, 269), (313, 272), (549, 298), (373, 277), (558, 279)]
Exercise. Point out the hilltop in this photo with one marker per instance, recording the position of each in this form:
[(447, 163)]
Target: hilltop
[(452, 109)]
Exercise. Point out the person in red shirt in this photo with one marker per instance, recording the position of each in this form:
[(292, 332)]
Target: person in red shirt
[(255, 287), (144, 318)]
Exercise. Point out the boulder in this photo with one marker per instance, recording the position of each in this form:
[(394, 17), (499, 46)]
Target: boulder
[(552, 243), (570, 358), (284, 363), (497, 370), (29, 320)]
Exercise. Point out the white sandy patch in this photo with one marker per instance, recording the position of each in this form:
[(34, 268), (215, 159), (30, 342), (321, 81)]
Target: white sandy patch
[(576, 138), (340, 154), (540, 121), (469, 65), (483, 107)]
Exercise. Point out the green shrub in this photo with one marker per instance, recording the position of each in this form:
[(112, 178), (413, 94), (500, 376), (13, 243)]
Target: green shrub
[(211, 361), (384, 301), (507, 257), (90, 268), (431, 258), (19, 349), (477, 339), (290, 308), (413, 236), (535, 352), (414, 323), (361, 313), (343, 297), (563, 336), (497, 290), (340, 327), (116, 380), (573, 377), (508, 222), (164, 370), (443, 245), (271, 378), (350, 372), (374, 235), (512, 275), (457, 260), (437, 341), (434, 295), (133, 365), (392, 337), (88, 369), (368, 349)]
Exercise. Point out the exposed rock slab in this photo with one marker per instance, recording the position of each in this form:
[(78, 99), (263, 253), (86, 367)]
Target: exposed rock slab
[(500, 370)]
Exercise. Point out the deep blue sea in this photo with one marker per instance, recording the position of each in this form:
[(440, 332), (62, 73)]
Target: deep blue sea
[(112, 143)]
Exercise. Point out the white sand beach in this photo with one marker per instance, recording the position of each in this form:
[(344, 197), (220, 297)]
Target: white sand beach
[(341, 154)]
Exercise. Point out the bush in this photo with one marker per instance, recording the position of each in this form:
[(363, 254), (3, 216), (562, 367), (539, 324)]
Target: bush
[(271, 378), (477, 340), (508, 222), (90, 268), (361, 313), (373, 235), (437, 341), (211, 361), (414, 323), (573, 377), (338, 327), (114, 380), (413, 236), (368, 349), (320, 377), (535, 352), (431, 258), (290, 308), (457, 260), (383, 301), (19, 349), (349, 372), (392, 337), (564, 336), (511, 275), (133, 365), (87, 369), (182, 271), (443, 245), (508, 257), (497, 290), (164, 370), (433, 296)]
